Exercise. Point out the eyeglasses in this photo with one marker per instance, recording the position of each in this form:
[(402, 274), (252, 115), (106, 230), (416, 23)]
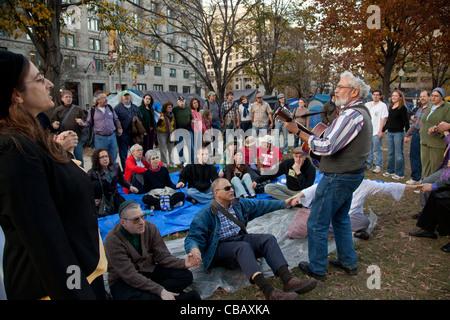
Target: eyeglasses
[(154, 158), (342, 87), (39, 78), (227, 188), (137, 219)]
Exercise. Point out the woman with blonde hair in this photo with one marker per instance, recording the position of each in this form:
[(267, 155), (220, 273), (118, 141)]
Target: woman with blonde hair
[(397, 124)]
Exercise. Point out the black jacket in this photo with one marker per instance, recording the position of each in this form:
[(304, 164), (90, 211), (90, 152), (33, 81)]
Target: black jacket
[(48, 215), (198, 176)]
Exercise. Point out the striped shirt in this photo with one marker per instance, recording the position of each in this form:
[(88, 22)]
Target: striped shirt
[(340, 133), (417, 124), (227, 227)]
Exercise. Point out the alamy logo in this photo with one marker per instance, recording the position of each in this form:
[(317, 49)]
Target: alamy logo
[(74, 279), (374, 280), (374, 21)]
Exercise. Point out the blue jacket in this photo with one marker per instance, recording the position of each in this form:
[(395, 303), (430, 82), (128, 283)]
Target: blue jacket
[(205, 227)]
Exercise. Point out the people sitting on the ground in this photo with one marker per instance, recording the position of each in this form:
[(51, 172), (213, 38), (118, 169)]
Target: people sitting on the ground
[(135, 166), (140, 267), (160, 189), (300, 174), (216, 240), (359, 221), (227, 157), (268, 156), (105, 175), (238, 173), (250, 151), (436, 212), (439, 174), (198, 178)]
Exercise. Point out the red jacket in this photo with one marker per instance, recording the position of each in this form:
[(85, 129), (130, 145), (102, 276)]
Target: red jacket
[(131, 167)]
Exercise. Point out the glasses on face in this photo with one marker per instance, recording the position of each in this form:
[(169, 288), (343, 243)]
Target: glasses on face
[(39, 78), (227, 188), (154, 158), (139, 150), (137, 219)]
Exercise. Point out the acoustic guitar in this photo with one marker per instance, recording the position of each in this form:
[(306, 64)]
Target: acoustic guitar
[(285, 115)]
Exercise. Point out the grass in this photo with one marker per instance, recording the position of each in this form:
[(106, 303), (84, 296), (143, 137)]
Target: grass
[(410, 268)]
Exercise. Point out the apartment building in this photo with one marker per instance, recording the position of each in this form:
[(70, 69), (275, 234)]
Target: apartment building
[(86, 51)]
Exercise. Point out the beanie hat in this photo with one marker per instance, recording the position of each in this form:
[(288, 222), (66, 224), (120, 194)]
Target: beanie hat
[(441, 92), (11, 65), (124, 204)]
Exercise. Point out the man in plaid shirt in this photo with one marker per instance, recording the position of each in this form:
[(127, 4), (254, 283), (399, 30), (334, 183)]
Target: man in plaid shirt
[(414, 135), (230, 112)]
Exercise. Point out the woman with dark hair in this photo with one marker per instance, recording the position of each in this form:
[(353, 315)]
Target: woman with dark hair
[(238, 173), (397, 124), (166, 125), (105, 175), (149, 122), (47, 214)]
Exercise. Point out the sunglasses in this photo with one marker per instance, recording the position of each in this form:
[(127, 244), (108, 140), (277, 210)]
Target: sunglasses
[(227, 188), (137, 219)]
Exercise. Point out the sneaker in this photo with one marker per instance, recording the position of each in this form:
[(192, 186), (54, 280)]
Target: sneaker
[(377, 169), (396, 177), (387, 174), (413, 182)]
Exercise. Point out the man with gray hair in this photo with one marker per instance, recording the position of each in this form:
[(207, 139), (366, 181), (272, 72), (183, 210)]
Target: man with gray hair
[(343, 148)]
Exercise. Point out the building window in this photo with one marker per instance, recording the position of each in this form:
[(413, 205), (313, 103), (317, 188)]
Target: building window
[(34, 57), (171, 57), (173, 73), (140, 69), (99, 64), (173, 88), (68, 40), (158, 87), (95, 44), (93, 24), (186, 89), (70, 62), (157, 71), (141, 86), (186, 74)]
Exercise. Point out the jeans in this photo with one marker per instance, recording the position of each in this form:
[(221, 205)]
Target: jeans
[(262, 130), (78, 152), (190, 147), (108, 142), (282, 130), (375, 151), (396, 159), (200, 196), (241, 186), (124, 142), (414, 156), (332, 203)]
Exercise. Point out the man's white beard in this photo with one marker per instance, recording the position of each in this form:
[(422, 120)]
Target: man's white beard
[(342, 101)]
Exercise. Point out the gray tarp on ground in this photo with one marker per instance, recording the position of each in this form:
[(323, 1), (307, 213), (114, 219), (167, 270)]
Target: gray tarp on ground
[(276, 223)]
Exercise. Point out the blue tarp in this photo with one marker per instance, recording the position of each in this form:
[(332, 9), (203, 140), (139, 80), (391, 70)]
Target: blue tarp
[(169, 222)]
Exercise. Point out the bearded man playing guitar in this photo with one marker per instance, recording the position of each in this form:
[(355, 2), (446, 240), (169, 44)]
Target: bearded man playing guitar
[(343, 149)]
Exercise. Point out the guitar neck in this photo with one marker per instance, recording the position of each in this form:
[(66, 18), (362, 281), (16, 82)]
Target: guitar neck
[(303, 128)]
